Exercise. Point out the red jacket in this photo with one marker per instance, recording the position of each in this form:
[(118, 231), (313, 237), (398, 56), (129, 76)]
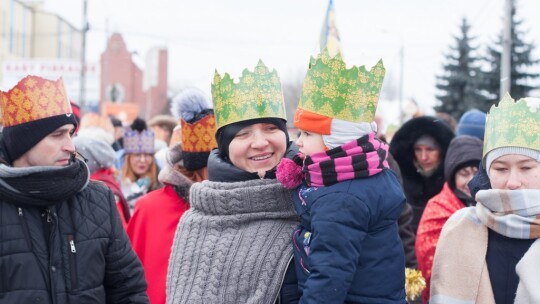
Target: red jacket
[(151, 230), (438, 209), (107, 176)]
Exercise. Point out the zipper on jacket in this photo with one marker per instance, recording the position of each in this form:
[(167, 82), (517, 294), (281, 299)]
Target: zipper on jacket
[(50, 243), (25, 228), (278, 297), (72, 262)]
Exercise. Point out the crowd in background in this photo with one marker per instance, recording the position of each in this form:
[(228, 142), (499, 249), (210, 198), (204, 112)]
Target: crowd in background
[(221, 206)]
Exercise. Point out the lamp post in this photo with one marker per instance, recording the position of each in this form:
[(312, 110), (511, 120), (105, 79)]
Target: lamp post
[(84, 29)]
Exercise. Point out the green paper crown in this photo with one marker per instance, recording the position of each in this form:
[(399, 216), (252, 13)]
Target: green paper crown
[(513, 124), (257, 95), (332, 90)]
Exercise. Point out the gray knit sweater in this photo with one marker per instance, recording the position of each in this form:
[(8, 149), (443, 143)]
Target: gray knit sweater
[(233, 245)]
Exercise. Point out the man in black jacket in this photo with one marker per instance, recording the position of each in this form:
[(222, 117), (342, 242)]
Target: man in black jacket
[(61, 239)]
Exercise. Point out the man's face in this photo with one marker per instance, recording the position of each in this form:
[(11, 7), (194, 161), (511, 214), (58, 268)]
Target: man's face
[(53, 150)]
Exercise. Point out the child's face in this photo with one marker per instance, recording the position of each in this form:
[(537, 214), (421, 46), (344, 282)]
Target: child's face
[(310, 143)]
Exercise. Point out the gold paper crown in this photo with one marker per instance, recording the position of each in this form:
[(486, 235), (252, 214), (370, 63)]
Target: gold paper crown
[(332, 90), (513, 124), (34, 98), (257, 95), (200, 135)]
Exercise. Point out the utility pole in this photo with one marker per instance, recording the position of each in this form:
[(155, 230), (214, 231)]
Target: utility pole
[(84, 29), (507, 49), (401, 73)]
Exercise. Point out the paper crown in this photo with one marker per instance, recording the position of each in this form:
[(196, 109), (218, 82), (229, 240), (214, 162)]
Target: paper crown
[(513, 124), (200, 135), (135, 142), (257, 95), (331, 91), (34, 98)]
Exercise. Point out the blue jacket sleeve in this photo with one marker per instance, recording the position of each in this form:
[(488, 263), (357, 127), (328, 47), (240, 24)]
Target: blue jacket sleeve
[(339, 223)]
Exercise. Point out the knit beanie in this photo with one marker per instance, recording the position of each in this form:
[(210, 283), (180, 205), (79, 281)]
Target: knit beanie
[(226, 134), (33, 109), (498, 152), (472, 123), (427, 140), (339, 103), (97, 153), (197, 127)]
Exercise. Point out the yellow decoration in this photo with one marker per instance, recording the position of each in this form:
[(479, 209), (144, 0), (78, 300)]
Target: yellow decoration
[(34, 98), (257, 94), (332, 90), (513, 124), (414, 283)]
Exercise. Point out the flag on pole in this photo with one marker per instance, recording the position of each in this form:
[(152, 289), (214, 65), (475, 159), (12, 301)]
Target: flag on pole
[(329, 32)]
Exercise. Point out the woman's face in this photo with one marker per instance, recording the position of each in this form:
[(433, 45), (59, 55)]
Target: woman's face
[(462, 178), (140, 163), (258, 148), (427, 157), (309, 143), (514, 171)]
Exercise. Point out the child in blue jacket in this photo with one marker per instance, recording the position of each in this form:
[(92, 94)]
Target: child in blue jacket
[(347, 247)]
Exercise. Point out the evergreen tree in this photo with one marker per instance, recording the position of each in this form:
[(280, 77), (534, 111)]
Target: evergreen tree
[(459, 82), (520, 66)]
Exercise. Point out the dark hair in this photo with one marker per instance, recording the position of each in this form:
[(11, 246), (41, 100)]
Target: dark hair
[(226, 134)]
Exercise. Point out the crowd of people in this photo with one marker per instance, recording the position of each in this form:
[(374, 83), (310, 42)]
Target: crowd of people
[(217, 204)]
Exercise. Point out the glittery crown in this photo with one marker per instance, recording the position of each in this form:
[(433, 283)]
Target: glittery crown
[(200, 135), (135, 142), (332, 90), (513, 124), (34, 98), (258, 94)]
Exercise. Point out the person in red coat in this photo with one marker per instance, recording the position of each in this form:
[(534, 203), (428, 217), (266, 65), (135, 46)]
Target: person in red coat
[(460, 164), (156, 215)]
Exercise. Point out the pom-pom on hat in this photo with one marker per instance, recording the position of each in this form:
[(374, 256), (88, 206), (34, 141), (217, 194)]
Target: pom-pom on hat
[(198, 127), (31, 110)]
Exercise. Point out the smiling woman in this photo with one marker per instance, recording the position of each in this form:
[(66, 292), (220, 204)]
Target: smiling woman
[(239, 225)]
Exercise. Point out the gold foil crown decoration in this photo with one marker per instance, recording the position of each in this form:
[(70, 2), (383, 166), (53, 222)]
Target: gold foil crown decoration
[(332, 90), (34, 98), (257, 94), (513, 124)]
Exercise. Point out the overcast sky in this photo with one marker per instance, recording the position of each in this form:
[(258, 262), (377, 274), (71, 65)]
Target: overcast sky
[(230, 35)]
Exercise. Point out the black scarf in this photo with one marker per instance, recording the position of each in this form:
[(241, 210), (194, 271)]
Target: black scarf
[(42, 186)]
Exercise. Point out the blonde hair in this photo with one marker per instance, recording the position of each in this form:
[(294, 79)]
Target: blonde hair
[(127, 172)]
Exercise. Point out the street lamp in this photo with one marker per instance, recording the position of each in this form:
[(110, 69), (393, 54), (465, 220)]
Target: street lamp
[(84, 29)]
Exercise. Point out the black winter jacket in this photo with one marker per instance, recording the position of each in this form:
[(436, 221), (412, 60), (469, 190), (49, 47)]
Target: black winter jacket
[(73, 252)]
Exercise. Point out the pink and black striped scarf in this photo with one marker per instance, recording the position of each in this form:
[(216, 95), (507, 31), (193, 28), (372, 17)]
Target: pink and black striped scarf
[(360, 158)]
